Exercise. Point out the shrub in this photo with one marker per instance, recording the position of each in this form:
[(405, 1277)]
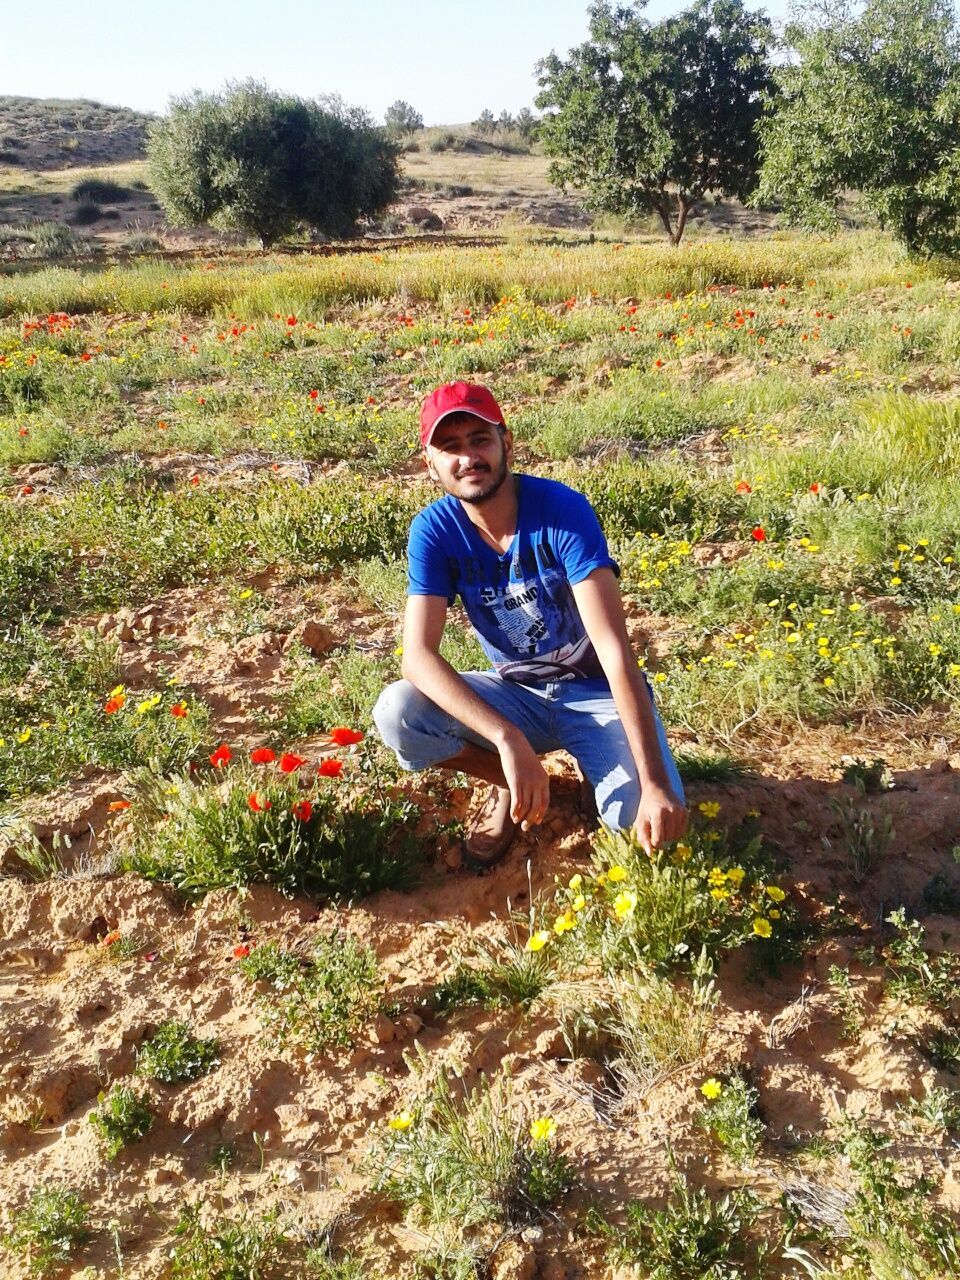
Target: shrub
[(401, 118), (264, 162), (100, 190), (730, 1117), (49, 1229), (472, 1161), (199, 837), (54, 240), (172, 1054), (316, 1000), (122, 1117), (86, 212)]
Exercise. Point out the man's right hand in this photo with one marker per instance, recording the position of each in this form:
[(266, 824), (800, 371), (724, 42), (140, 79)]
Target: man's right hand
[(527, 780)]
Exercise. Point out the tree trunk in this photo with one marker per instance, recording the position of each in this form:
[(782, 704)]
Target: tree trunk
[(663, 212), (684, 208)]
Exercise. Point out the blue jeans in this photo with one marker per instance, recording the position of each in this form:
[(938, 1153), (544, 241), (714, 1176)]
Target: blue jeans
[(577, 716)]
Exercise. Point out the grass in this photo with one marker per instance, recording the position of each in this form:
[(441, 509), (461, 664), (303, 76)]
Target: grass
[(48, 1230)]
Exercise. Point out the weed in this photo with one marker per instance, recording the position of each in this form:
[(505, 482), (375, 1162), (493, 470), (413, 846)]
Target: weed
[(317, 1000), (322, 1265), (847, 1006), (866, 837), (49, 1229), (470, 1161), (869, 776), (221, 1248), (709, 766), (942, 1048), (173, 1054), (693, 1237), (938, 1108), (917, 977), (120, 1118), (731, 1119)]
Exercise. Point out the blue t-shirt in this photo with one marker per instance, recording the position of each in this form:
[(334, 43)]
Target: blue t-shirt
[(520, 602)]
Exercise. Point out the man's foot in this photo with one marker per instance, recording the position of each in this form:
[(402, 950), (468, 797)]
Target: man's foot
[(492, 832)]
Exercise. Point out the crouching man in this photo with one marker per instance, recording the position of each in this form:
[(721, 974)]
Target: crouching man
[(530, 562)]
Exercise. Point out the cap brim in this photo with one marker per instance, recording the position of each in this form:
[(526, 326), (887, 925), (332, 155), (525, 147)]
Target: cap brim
[(494, 422)]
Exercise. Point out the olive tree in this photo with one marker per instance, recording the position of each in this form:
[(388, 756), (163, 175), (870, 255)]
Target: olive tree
[(871, 102), (400, 118), (650, 117), (266, 163)]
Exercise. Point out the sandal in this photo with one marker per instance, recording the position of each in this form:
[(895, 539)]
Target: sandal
[(492, 832)]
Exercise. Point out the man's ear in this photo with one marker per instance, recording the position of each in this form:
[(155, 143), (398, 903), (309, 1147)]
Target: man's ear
[(429, 465), (508, 445)]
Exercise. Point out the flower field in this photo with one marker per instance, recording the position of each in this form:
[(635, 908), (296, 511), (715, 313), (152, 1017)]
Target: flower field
[(258, 1020)]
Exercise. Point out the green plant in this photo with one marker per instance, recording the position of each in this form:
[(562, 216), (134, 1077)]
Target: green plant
[(916, 976), (318, 999), (851, 1014), (943, 1050), (730, 1117), (216, 1247), (103, 190), (869, 776), (173, 1054), (938, 1108), (867, 836), (263, 162), (87, 212), (693, 1237), (49, 1229), (465, 1157), (633, 124), (120, 1118), (54, 240)]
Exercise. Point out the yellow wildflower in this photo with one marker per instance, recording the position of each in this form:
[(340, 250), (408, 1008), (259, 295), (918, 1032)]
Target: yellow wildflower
[(683, 851), (624, 903), (564, 923), (762, 928), (401, 1122), (543, 1130), (776, 893), (617, 873), (711, 1088), (735, 876), (579, 902), (537, 941), (575, 882), (709, 808)]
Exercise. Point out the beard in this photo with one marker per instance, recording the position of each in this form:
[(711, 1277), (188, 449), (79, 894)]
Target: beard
[(489, 483)]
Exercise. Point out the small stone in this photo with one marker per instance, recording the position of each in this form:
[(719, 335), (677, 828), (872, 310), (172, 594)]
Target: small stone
[(382, 1031), (411, 1024), (315, 636), (532, 1235), (106, 624)]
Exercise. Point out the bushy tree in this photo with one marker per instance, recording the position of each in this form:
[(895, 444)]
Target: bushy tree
[(485, 122), (526, 123), (266, 163), (401, 119), (870, 102), (649, 117)]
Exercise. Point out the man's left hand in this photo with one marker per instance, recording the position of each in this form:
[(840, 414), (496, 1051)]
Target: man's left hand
[(660, 818)]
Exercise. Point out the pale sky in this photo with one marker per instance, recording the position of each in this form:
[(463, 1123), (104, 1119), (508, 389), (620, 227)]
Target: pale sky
[(449, 59)]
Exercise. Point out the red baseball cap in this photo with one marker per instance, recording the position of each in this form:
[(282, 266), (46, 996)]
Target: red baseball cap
[(457, 397)]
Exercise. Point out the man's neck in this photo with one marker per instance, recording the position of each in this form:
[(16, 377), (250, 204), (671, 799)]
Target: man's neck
[(497, 515)]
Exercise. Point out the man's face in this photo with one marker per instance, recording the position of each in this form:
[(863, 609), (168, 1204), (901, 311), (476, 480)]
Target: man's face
[(470, 458)]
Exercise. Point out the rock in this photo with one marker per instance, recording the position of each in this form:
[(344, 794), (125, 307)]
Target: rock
[(410, 1024), (315, 636), (382, 1031), (532, 1235), (106, 624), (292, 1115), (424, 218)]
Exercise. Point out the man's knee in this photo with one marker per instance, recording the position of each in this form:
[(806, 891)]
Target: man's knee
[(391, 715)]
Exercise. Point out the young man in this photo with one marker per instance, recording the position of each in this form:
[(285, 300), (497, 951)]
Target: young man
[(530, 562)]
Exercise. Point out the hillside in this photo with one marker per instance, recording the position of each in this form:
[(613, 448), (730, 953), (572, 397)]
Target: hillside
[(56, 133)]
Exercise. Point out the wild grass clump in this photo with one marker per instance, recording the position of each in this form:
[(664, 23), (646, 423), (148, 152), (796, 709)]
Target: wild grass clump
[(253, 827), (500, 972), (695, 1236), (102, 190), (121, 1117), (315, 998), (469, 1158), (48, 1231), (174, 1055)]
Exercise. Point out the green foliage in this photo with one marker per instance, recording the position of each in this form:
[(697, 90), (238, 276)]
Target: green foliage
[(87, 212), (651, 116), (847, 1005), (870, 102), (731, 1120), (55, 240), (866, 836), (400, 119), (468, 1161), (48, 1230), (694, 1237), (916, 976), (197, 837), (264, 162), (869, 776), (501, 972), (99, 190), (318, 999), (173, 1054), (222, 1248), (121, 1117)]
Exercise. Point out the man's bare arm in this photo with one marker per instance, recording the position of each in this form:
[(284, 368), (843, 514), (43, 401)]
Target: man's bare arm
[(424, 667), (661, 817)]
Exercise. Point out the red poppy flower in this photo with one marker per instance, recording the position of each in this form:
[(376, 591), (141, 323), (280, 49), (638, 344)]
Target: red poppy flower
[(314, 395), (116, 806), (290, 762), (23, 431), (330, 768), (302, 811), (263, 755), (242, 951), (743, 487), (258, 805), (178, 710), (110, 938), (223, 755), (291, 321), (814, 488), (758, 534), (345, 737), (114, 704), (26, 489)]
